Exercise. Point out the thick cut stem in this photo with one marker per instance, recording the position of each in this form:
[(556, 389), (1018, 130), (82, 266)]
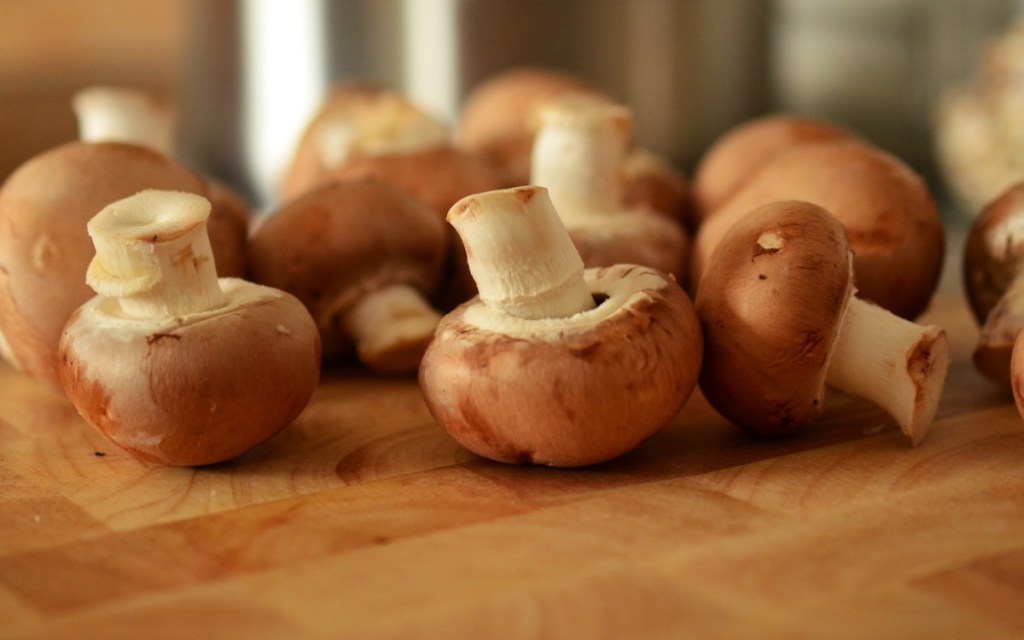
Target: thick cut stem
[(579, 155), (391, 328), (520, 254), (896, 364), (108, 114), (154, 256)]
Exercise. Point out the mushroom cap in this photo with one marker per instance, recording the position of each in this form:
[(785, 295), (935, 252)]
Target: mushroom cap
[(195, 390), (634, 236), (737, 155), (495, 117), (44, 248), (770, 305), (1017, 373), (994, 251), (440, 176), (893, 225), (332, 245), (378, 117), (570, 391)]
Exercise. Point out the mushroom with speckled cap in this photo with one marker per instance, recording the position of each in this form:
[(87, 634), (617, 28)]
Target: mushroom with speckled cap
[(781, 323), (553, 364), (168, 361), (366, 259), (994, 281)]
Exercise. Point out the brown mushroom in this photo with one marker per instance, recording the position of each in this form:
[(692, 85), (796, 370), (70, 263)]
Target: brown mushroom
[(356, 120), (364, 257), (44, 247), (889, 215), (554, 364), (738, 154), (781, 322), (994, 281), (170, 362), (579, 154)]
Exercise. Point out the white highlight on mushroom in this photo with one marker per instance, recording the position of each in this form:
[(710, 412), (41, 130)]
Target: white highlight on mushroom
[(770, 241)]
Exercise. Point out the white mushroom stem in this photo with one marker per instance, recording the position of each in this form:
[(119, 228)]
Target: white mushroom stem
[(390, 319), (110, 114), (380, 125), (520, 254), (579, 155), (153, 255), (896, 364)]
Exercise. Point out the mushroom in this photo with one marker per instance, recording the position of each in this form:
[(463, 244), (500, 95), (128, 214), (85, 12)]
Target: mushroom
[(738, 154), (131, 116), (46, 203), (554, 364), (889, 215), (497, 123), (781, 322), (359, 119), (994, 281), (168, 361), (579, 155), (364, 257)]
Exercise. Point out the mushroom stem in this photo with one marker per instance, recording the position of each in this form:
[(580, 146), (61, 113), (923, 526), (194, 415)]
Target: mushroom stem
[(579, 155), (153, 255), (391, 327), (896, 364), (109, 114), (520, 254)]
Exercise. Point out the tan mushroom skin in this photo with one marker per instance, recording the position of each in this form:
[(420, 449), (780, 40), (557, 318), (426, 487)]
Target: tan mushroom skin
[(169, 362), (555, 365)]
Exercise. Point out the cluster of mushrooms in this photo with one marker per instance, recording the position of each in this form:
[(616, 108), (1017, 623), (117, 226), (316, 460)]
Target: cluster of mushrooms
[(549, 323)]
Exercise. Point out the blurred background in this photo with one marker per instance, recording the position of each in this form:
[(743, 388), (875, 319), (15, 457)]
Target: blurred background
[(246, 74)]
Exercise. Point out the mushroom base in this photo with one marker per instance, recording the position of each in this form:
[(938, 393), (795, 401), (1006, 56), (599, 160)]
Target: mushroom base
[(572, 391), (194, 390)]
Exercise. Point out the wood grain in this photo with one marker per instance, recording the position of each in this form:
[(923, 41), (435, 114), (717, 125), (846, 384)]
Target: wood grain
[(363, 519)]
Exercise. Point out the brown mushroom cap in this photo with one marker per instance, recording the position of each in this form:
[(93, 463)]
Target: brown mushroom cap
[(544, 392), (653, 183), (770, 306), (334, 244), (889, 215), (495, 118), (737, 155), (381, 112), (161, 391), (44, 247), (228, 228), (994, 251)]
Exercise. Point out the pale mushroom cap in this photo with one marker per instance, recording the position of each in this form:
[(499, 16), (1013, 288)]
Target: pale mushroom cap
[(770, 306), (332, 245), (566, 392), (994, 251), (890, 217), (156, 387), (495, 119), (44, 247)]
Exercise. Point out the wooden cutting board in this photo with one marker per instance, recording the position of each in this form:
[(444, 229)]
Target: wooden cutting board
[(364, 519)]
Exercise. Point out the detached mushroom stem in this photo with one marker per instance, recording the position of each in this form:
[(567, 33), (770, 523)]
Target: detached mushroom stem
[(391, 328), (896, 364)]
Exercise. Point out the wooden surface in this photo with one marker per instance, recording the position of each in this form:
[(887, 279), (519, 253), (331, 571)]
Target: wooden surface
[(365, 520)]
